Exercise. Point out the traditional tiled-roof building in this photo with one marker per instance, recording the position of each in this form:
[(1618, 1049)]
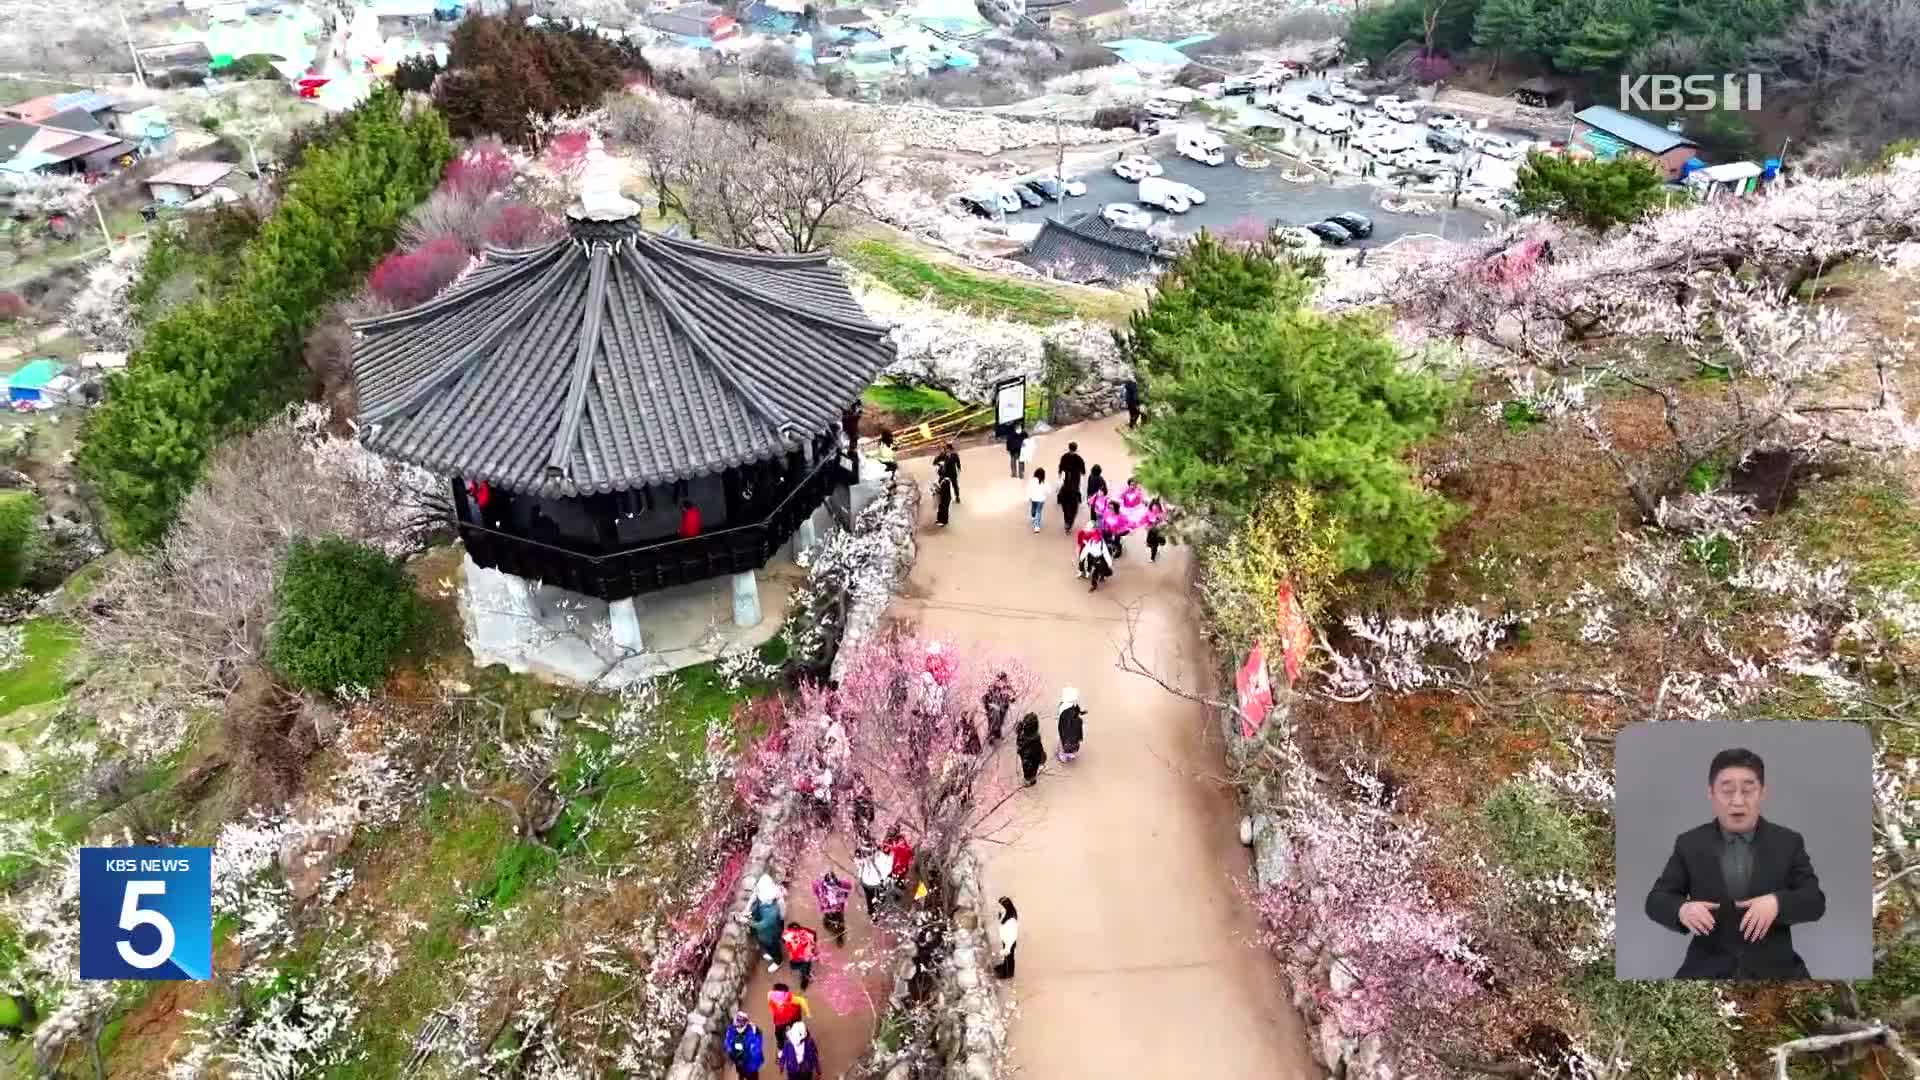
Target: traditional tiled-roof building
[(583, 395)]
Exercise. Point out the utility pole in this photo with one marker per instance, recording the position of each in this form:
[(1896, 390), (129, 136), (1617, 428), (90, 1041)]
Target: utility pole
[(126, 32), (102, 219)]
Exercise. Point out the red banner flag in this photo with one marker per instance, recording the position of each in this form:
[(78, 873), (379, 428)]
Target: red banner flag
[(1256, 693), (1296, 633)]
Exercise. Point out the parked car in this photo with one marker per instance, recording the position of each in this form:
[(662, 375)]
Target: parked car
[(1495, 147), (1329, 124), (1122, 215), (1291, 110), (1294, 236), (1051, 188), (1426, 163), (1360, 225), (1170, 195), (1349, 95), (1320, 97), (1445, 122), (1163, 108), (1329, 233), (981, 203), (1246, 84), (1446, 142), (1027, 196), (1010, 200), (1137, 168), (1386, 101), (1399, 113)]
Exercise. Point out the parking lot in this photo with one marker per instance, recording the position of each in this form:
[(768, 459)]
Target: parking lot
[(1234, 193)]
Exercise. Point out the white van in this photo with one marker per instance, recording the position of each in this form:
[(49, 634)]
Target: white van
[(1201, 145), (1169, 195)]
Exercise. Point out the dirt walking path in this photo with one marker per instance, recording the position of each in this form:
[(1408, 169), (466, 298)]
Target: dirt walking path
[(1136, 955)]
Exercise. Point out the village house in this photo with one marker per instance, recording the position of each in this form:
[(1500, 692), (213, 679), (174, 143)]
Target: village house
[(1083, 248), (1089, 15), (183, 182), (1610, 133)]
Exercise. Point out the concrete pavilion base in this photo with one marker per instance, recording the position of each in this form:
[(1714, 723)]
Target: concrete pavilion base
[(543, 630)]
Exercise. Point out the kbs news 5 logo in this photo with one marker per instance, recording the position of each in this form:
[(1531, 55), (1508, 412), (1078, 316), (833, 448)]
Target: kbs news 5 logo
[(146, 913)]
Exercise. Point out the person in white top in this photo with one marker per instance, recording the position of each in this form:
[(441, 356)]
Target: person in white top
[(1009, 937), (874, 866), (1037, 497)]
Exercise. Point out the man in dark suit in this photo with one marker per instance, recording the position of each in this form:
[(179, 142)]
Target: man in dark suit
[(1739, 883)]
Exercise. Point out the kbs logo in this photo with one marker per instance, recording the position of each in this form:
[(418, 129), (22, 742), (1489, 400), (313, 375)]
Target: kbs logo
[(1690, 93), (146, 913)]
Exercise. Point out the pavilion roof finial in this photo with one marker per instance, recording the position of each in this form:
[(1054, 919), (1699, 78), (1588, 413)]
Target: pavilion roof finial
[(599, 190)]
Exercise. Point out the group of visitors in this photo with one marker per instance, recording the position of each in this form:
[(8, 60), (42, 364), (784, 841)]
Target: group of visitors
[(788, 941)]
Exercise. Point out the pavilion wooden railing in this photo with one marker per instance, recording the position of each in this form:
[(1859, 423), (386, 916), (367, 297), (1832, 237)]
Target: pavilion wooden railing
[(660, 564)]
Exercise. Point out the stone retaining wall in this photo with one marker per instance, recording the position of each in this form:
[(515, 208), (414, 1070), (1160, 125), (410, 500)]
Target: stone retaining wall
[(698, 1056), (970, 1033), (1341, 1054)]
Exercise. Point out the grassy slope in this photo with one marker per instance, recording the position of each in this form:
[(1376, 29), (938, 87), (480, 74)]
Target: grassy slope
[(916, 270), (908, 403), (41, 676)]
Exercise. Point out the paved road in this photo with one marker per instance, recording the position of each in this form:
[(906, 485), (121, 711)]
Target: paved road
[(1135, 957)]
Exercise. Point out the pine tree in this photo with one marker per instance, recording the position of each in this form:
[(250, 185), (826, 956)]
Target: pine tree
[(1505, 26)]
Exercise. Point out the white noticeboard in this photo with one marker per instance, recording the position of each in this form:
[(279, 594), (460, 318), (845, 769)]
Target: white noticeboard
[(1010, 402)]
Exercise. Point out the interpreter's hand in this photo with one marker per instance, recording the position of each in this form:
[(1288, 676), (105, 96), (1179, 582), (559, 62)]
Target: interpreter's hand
[(1761, 911), (1697, 916)]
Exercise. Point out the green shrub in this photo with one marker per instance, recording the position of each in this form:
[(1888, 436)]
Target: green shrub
[(342, 614), (1672, 1028), (19, 536), (221, 363), (1532, 834)]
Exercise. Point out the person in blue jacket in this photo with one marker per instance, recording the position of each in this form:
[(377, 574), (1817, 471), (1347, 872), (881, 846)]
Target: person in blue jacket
[(745, 1048)]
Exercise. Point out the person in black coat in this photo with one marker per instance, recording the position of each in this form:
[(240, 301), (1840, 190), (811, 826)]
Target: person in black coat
[(1072, 468), (1026, 742), (947, 465), (943, 491), (1016, 438), (1132, 391), (1738, 884), (1095, 482)]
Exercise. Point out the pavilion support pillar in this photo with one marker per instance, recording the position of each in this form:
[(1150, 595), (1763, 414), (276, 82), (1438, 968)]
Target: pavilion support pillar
[(805, 537), (746, 599), (624, 618), (500, 614)]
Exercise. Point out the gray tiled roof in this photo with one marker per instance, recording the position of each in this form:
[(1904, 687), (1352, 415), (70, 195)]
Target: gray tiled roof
[(1632, 130), (606, 364), (1084, 247)]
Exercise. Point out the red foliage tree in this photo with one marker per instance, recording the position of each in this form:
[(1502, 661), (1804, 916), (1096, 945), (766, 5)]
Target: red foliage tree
[(520, 226), (406, 278), (482, 170)]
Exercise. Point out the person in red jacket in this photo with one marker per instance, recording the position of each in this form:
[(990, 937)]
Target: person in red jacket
[(902, 853), (787, 1009), (803, 948)]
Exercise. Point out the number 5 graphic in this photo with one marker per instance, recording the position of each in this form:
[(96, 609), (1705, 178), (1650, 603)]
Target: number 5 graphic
[(132, 917)]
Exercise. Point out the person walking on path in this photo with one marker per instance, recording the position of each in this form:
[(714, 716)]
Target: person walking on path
[(1016, 442), (746, 1047), (1009, 937), (799, 1054), (1096, 562), (1026, 742), (874, 865), (1072, 466), (1096, 485), (1132, 390), (803, 948), (884, 453), (830, 891), (862, 810), (1037, 498), (943, 491), (787, 1009), (901, 854), (1156, 538), (767, 916), (947, 464), (1072, 726), (997, 700)]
